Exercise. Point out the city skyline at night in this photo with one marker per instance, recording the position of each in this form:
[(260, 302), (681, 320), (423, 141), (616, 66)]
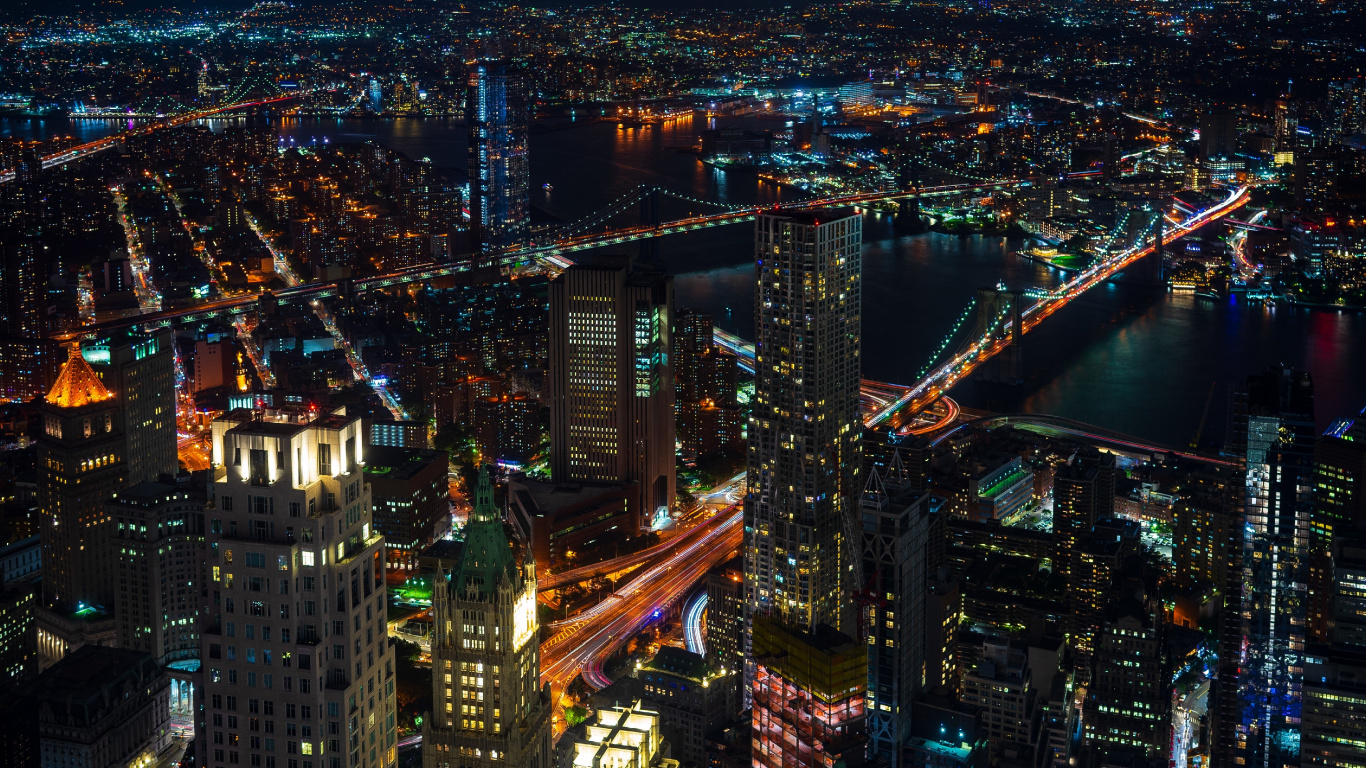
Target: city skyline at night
[(666, 385)]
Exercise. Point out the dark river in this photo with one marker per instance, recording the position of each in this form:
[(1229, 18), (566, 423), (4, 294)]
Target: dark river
[(1121, 357)]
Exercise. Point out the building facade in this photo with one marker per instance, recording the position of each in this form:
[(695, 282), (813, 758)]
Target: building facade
[(489, 706), (805, 433), (100, 707), (808, 697), (897, 526), (139, 369), (158, 546), (412, 498), (294, 630), (611, 381), (1273, 433)]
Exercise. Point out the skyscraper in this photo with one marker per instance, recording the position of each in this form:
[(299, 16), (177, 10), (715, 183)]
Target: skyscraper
[(489, 706), (1273, 432), (26, 358), (805, 435), (1339, 505), (139, 369), (611, 381), (294, 631), (158, 544), (1218, 133), (897, 525), (496, 112), (80, 455)]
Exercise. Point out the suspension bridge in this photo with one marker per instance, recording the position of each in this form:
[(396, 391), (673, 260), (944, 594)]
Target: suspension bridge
[(1000, 317), (94, 147)]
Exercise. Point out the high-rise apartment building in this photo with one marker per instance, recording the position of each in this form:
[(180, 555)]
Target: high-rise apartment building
[(297, 662), (1218, 133), (26, 357), (726, 615), (18, 649), (1333, 714), (1272, 430), (412, 499), (1204, 520), (805, 433), (1128, 704), (489, 706), (496, 112), (1002, 686), (898, 525), (157, 542), (139, 369), (611, 381), (81, 452)]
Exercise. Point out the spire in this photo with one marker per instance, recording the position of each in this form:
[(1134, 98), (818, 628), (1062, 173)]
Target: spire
[(484, 511), (487, 555), (77, 385), (896, 469), (874, 491)]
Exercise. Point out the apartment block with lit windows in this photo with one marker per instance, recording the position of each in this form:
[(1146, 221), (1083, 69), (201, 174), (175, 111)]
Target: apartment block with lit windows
[(805, 433), (297, 667)]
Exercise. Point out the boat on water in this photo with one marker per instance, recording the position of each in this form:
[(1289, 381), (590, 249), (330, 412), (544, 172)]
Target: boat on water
[(546, 186)]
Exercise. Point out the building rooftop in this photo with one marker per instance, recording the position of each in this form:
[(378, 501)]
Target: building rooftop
[(147, 493), (77, 385), (815, 216), (680, 662), (389, 462), (86, 672)]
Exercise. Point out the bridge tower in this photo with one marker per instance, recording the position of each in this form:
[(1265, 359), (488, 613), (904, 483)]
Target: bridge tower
[(1151, 269), (649, 215), (999, 318)]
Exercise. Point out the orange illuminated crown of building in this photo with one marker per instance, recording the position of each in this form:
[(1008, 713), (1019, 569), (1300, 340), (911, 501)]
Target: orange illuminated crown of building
[(77, 385)]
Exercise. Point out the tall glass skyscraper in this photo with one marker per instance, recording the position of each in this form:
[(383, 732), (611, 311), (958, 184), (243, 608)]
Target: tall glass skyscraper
[(805, 435), (496, 112), (1273, 430)]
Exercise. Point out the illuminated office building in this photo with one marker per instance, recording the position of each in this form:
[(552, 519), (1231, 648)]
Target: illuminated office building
[(496, 112), (297, 665), (611, 382), (805, 432), (489, 706)]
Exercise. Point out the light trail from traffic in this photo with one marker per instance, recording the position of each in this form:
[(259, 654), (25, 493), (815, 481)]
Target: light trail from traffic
[(586, 648), (694, 633)]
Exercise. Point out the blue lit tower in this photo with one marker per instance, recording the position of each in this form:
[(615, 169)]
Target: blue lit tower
[(1273, 433), (499, 175)]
